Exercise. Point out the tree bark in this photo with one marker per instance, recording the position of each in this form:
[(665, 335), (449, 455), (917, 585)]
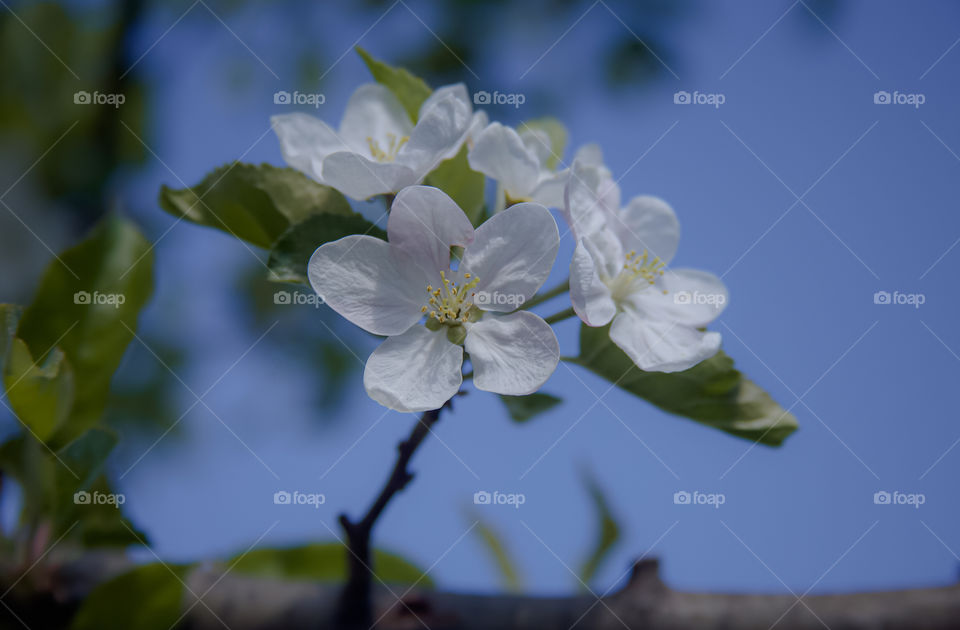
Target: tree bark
[(245, 603)]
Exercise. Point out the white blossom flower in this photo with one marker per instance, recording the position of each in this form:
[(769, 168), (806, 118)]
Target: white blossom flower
[(388, 287), (619, 273), (519, 162), (377, 148)]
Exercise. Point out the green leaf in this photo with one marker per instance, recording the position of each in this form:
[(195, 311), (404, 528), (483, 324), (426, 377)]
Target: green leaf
[(85, 456), (87, 305), (712, 392), (555, 131), (9, 318), (147, 598), (463, 184), (492, 541), (609, 531), (324, 562), (289, 257), (410, 90), (51, 480), (104, 525), (254, 203), (40, 394), (523, 408)]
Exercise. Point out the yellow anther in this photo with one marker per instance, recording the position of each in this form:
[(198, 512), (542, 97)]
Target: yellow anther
[(452, 303), (423, 309), (393, 147)]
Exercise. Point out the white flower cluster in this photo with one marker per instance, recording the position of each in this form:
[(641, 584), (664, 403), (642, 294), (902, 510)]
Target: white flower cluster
[(433, 306)]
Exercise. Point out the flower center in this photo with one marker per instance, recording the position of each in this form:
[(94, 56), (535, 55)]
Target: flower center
[(393, 147), (642, 270), (451, 304)]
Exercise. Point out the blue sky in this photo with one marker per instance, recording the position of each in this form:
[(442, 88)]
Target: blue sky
[(805, 195)]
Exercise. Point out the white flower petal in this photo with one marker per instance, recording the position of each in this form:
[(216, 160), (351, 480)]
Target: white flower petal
[(537, 142), (369, 282), (499, 153), (608, 256), (416, 371), (590, 296), (589, 155), (305, 141), (478, 123), (425, 222), (360, 178), (649, 223), (693, 298), (373, 112), (549, 190), (445, 119), (512, 254), (661, 346), (512, 354), (585, 204)]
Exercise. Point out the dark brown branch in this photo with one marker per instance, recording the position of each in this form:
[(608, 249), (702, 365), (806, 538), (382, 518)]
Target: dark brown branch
[(355, 610)]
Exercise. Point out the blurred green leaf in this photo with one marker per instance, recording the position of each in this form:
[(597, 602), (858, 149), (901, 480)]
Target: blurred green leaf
[(254, 203), (712, 392), (493, 542), (289, 257), (9, 318), (608, 531), (103, 525), (324, 562), (463, 184), (50, 481), (410, 90), (85, 457), (555, 131), (41, 395), (147, 598), (87, 304), (523, 408)]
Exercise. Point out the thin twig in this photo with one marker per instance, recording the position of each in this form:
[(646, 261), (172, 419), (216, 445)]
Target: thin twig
[(355, 610)]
